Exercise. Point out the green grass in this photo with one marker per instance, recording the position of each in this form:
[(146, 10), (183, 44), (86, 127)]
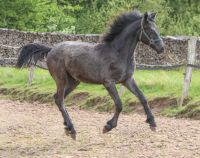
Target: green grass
[(154, 84)]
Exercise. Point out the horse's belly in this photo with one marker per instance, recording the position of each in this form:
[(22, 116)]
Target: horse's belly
[(83, 76), (85, 69)]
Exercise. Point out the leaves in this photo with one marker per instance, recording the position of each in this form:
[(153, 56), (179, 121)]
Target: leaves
[(36, 15), (180, 17)]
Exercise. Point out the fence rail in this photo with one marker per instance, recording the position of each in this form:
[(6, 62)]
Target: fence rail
[(42, 65)]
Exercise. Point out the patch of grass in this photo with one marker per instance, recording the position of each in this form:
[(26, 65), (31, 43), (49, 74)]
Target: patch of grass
[(173, 111), (154, 84), (188, 111)]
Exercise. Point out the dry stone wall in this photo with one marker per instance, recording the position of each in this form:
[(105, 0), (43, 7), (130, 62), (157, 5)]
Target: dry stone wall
[(176, 48)]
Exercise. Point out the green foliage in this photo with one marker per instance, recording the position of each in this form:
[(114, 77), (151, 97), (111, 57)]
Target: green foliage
[(189, 111), (175, 17), (99, 16), (185, 17), (36, 15)]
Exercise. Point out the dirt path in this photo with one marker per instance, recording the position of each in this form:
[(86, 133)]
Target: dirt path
[(35, 130)]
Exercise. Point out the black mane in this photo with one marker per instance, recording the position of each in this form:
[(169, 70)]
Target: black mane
[(120, 23)]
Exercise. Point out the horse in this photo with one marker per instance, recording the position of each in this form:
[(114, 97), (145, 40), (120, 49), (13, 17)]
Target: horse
[(109, 62)]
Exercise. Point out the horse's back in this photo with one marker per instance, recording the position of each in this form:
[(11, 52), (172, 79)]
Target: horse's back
[(75, 44), (80, 60), (69, 47)]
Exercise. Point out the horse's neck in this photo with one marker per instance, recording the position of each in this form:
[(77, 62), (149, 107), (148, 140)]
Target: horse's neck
[(127, 41), (127, 51)]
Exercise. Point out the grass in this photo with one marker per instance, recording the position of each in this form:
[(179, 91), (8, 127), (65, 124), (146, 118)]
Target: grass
[(154, 84)]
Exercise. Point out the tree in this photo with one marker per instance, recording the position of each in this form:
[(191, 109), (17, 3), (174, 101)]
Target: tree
[(175, 17), (35, 15)]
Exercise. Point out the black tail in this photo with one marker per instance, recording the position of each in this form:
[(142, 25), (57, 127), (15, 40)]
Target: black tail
[(31, 53)]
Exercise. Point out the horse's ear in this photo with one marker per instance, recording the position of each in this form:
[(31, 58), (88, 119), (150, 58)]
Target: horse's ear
[(153, 16)]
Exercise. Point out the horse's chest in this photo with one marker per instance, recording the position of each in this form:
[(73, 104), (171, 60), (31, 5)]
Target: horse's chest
[(117, 71), (120, 72)]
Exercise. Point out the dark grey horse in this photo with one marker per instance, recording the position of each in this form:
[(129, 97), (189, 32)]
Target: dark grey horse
[(107, 63)]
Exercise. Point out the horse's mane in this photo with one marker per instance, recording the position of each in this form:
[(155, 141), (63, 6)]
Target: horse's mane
[(120, 23)]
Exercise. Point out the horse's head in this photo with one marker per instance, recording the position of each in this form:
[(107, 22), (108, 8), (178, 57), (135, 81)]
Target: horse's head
[(149, 33)]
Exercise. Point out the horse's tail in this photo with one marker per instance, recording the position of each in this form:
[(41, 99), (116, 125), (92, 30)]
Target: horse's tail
[(31, 52)]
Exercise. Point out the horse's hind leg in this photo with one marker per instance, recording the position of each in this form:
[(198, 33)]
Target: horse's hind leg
[(62, 78), (71, 85), (118, 107), (59, 100)]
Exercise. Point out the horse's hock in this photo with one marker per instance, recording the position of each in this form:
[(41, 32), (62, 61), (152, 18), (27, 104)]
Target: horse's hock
[(176, 48)]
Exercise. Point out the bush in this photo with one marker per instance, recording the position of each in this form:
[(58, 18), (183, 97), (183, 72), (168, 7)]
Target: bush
[(180, 17)]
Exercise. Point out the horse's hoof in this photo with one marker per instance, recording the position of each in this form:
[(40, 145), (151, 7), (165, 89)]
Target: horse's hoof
[(107, 128), (151, 122), (73, 136), (153, 128), (68, 132)]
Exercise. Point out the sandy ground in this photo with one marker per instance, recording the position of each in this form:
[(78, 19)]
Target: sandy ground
[(36, 130)]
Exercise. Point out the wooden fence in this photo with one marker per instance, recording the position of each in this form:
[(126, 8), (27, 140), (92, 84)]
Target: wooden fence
[(189, 65)]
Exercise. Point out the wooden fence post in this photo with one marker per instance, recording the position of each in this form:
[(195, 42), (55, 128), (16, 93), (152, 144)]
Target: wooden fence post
[(191, 56), (121, 90), (30, 75)]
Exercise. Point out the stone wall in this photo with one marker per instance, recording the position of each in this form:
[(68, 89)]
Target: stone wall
[(176, 48)]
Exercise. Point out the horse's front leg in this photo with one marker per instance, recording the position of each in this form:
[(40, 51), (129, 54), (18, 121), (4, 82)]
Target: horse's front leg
[(132, 86), (118, 106)]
